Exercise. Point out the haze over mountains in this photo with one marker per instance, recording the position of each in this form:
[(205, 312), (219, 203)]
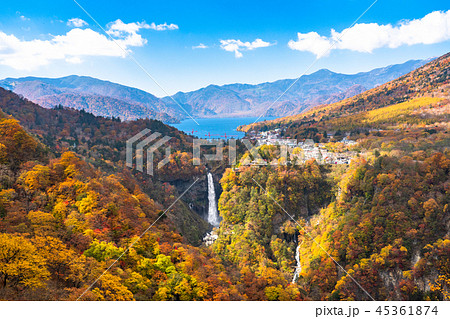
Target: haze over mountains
[(114, 100)]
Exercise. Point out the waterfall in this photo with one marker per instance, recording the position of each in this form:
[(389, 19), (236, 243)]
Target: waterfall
[(213, 215), (298, 269)]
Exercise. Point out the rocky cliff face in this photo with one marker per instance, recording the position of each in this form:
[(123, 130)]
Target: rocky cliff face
[(197, 197), (193, 221)]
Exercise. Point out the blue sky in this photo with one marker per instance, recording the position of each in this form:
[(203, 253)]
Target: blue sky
[(246, 41)]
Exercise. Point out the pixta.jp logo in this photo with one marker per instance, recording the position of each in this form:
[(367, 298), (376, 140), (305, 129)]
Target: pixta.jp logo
[(151, 144), (143, 141)]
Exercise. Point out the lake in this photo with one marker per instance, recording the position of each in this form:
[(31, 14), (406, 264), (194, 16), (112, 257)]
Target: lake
[(217, 128)]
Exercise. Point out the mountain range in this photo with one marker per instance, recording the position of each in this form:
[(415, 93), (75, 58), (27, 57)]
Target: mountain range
[(110, 99), (430, 80)]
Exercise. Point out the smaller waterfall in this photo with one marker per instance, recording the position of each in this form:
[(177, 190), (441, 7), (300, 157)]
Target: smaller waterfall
[(213, 214), (298, 269)]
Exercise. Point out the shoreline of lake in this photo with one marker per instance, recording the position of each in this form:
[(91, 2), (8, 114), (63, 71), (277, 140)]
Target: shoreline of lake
[(217, 128)]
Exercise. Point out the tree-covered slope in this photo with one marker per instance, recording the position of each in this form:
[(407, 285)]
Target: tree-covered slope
[(381, 225)]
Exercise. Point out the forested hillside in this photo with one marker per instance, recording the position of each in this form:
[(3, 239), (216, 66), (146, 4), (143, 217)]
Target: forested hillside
[(385, 232), (101, 142), (64, 221), (69, 208)]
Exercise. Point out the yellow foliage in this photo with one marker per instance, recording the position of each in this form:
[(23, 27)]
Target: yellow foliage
[(109, 288), (88, 203), (393, 111), (20, 264), (42, 223), (37, 178)]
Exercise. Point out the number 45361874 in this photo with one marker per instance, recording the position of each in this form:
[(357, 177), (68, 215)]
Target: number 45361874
[(407, 310)]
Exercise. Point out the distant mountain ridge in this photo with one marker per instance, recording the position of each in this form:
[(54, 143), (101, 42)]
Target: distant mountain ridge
[(429, 80), (110, 99), (100, 97), (323, 86)]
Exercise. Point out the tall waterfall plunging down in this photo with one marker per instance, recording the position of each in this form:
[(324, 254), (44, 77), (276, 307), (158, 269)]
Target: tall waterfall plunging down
[(213, 214), (298, 269)]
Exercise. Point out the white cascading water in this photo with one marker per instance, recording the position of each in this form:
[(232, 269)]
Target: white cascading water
[(213, 214), (298, 268)]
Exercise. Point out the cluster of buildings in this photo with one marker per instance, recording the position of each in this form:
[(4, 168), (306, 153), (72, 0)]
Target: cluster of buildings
[(301, 152), (322, 155)]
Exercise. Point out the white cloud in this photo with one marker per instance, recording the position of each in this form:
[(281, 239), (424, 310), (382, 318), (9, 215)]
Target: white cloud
[(311, 42), (24, 18), (200, 46), (237, 46), (163, 27), (118, 27), (366, 37), (76, 22), (75, 45), (71, 47), (127, 33)]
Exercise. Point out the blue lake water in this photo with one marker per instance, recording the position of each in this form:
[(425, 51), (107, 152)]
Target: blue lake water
[(217, 128)]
